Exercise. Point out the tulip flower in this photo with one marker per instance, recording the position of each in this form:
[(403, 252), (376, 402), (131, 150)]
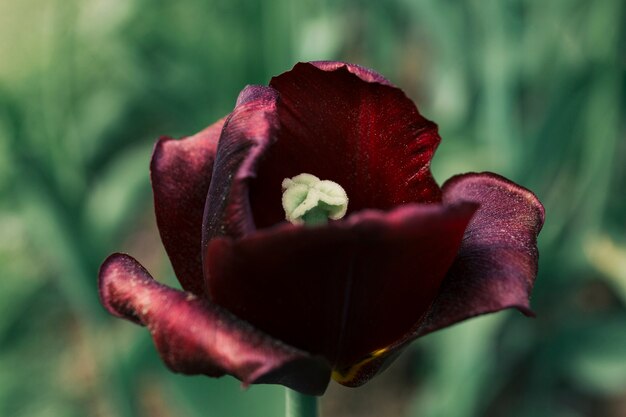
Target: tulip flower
[(312, 241)]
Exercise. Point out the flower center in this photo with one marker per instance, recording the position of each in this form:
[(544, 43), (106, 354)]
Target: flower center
[(311, 201)]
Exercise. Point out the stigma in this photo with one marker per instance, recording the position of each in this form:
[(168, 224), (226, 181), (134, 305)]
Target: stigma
[(310, 201)]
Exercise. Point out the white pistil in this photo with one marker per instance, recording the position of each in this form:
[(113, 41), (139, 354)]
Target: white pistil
[(311, 201)]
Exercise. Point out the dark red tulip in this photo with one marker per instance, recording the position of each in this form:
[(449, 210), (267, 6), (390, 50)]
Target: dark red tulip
[(268, 301)]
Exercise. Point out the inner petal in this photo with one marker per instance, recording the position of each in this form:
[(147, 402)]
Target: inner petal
[(344, 290), (366, 136)]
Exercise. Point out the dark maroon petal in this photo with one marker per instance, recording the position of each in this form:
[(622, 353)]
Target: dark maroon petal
[(181, 174), (194, 336), (344, 123), (246, 135), (343, 290), (497, 262), (494, 270)]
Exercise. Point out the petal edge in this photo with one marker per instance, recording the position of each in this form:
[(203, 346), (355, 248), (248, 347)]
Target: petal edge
[(363, 73)]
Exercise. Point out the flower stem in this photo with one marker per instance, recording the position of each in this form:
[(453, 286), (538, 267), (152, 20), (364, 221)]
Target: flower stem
[(300, 405)]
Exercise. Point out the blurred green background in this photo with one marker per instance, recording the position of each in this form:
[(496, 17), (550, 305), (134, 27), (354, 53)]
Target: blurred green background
[(531, 89)]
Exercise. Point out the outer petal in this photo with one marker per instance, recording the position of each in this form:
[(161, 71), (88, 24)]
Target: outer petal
[(494, 269), (181, 174), (247, 133), (343, 290), (194, 336), (346, 124), (497, 263)]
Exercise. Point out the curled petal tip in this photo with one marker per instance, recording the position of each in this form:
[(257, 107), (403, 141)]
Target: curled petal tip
[(113, 266), (256, 92)]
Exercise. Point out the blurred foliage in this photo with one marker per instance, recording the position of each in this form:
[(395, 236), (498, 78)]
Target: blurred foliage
[(531, 89)]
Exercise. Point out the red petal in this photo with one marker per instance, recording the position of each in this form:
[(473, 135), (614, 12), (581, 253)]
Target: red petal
[(342, 290), (194, 336), (497, 262), (181, 174), (344, 123), (247, 134), (495, 268)]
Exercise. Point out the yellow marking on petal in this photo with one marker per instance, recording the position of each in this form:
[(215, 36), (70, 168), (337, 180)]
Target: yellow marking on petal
[(350, 373)]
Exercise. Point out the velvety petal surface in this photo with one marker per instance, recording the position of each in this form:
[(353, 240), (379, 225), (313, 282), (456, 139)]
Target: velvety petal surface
[(247, 134), (497, 263), (181, 173), (194, 336), (343, 290), (346, 124)]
